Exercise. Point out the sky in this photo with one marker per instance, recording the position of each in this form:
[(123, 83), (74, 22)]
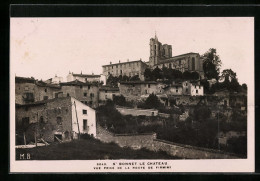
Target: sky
[(45, 47)]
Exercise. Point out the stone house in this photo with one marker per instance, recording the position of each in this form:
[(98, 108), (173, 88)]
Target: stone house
[(83, 77), (196, 89), (87, 93), (174, 89), (62, 118), (28, 90), (108, 93), (54, 80), (129, 68), (139, 88)]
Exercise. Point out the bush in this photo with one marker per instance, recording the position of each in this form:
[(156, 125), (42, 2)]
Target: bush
[(86, 136)]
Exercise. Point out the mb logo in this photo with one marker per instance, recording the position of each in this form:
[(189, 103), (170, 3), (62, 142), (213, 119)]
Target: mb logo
[(25, 156)]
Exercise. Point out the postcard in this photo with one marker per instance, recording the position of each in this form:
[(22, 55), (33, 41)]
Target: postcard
[(124, 94)]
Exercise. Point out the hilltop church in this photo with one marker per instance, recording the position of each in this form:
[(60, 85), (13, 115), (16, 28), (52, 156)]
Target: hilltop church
[(160, 56)]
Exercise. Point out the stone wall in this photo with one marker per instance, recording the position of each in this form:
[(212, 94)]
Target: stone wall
[(137, 112), (135, 141), (149, 141), (53, 117)]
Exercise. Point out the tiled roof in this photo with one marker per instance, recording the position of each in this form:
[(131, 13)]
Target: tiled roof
[(78, 83), (24, 79), (41, 102), (107, 88), (44, 84), (86, 75), (174, 58), (139, 82), (123, 63)]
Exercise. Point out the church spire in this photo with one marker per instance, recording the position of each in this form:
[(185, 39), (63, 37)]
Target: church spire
[(156, 37)]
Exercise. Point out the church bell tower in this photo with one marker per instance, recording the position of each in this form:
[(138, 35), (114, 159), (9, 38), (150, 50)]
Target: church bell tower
[(155, 52)]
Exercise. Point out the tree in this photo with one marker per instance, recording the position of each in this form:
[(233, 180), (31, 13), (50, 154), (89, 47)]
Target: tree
[(230, 80), (186, 75), (202, 113), (244, 86), (125, 78), (195, 75), (135, 78), (119, 100), (148, 74), (151, 102), (212, 64), (156, 73), (205, 85), (176, 74)]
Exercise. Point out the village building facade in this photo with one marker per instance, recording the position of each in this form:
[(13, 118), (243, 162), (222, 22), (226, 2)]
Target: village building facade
[(138, 88), (129, 68), (54, 80), (28, 90), (55, 119), (107, 93), (84, 77), (87, 93)]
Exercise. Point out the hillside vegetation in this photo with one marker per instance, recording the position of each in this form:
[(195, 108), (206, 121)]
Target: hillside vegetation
[(89, 149)]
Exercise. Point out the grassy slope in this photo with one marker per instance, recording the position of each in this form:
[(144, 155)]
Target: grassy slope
[(90, 149)]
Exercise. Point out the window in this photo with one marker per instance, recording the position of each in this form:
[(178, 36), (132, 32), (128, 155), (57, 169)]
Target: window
[(45, 90), (195, 86), (199, 86), (84, 111), (85, 124), (41, 119), (68, 94), (116, 66), (25, 122), (186, 90), (88, 87), (149, 85), (112, 66), (176, 90), (85, 94), (28, 97), (59, 120), (196, 91), (106, 96), (193, 63)]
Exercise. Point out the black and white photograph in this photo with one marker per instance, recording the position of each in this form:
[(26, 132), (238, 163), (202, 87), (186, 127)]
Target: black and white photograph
[(122, 94)]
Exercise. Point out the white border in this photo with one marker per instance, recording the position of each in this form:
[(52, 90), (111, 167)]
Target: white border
[(73, 166)]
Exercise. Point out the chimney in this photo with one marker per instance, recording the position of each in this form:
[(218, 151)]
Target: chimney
[(119, 61), (110, 62), (141, 59), (81, 72), (127, 60)]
